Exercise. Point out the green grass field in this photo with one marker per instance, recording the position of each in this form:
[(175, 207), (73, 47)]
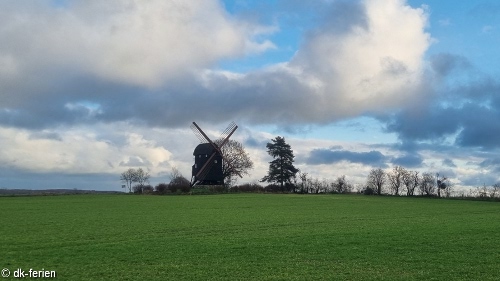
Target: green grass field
[(251, 237)]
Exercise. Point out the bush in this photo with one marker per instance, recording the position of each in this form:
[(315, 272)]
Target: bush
[(161, 188), (185, 188), (172, 188), (147, 189), (137, 189), (249, 187), (273, 188), (369, 191), (179, 183)]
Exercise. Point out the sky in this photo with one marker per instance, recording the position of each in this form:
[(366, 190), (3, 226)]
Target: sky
[(89, 89)]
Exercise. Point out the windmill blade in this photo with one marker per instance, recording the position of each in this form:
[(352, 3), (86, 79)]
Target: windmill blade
[(224, 141), (197, 133), (221, 142), (205, 137), (230, 128)]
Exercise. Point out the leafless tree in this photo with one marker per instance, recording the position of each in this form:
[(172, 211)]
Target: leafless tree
[(129, 177), (174, 173), (449, 188), (410, 180), (482, 191), (316, 185), (443, 184), (341, 185), (427, 184), (304, 182), (142, 177), (376, 180), (495, 190), (396, 179), (236, 162)]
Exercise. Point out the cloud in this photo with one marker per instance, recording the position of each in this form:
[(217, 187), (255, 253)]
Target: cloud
[(444, 63), (470, 122), (460, 104), (135, 161), (80, 151), (127, 41), (329, 156), (449, 163), (93, 61), (408, 160), (22, 179)]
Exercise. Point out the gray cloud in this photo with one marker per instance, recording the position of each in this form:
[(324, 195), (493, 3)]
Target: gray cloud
[(444, 63), (408, 160), (492, 163), (466, 108), (329, 156), (21, 179), (449, 163)]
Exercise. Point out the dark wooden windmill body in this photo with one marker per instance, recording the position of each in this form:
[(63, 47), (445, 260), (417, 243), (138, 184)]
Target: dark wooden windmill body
[(208, 158), (214, 175)]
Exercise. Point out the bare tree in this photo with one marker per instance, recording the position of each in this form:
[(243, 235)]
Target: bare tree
[(304, 182), (129, 177), (396, 179), (376, 180), (341, 185), (410, 180), (482, 191), (449, 188), (427, 184), (142, 177), (315, 185), (236, 162), (443, 184), (174, 173), (177, 179), (495, 189)]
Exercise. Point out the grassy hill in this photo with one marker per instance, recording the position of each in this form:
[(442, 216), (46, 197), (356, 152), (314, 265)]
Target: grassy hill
[(251, 237)]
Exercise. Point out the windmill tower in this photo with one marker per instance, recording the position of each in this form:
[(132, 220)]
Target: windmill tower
[(208, 157)]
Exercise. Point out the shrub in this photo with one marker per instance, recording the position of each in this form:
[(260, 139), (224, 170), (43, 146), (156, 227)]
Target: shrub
[(147, 189), (368, 191), (161, 188), (137, 189), (273, 188), (179, 183), (249, 187), (185, 188), (172, 188)]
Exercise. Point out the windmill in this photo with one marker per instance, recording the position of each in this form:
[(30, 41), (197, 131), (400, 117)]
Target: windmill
[(208, 162)]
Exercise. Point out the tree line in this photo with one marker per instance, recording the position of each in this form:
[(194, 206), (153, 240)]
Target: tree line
[(283, 176)]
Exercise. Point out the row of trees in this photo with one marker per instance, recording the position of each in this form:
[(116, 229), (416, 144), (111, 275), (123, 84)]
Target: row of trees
[(400, 180), (283, 176), (282, 172)]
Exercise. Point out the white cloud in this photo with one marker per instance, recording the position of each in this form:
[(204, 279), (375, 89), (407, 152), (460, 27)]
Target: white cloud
[(130, 41), (79, 150), (377, 64)]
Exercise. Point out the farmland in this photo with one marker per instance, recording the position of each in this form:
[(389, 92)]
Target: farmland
[(251, 237)]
